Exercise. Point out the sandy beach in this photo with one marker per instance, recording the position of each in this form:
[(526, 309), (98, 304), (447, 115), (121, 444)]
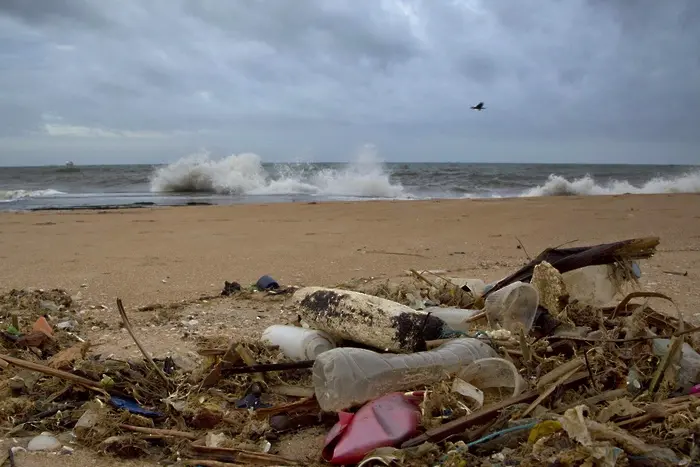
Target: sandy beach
[(168, 254)]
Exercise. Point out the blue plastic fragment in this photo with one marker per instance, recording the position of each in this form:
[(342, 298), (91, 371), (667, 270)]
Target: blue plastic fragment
[(251, 401), (636, 270), (133, 407)]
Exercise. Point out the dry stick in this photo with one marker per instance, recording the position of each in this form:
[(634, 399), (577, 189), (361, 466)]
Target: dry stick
[(249, 360), (546, 393), (684, 402), (127, 325), (265, 367), (159, 432), (527, 255), (422, 277), (207, 463), (606, 396), (676, 273), (88, 383), (623, 304), (249, 457), (630, 339)]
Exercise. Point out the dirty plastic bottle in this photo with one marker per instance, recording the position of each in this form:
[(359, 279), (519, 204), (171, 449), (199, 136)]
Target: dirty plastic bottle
[(453, 317), (347, 376), (512, 307), (689, 372), (298, 343)]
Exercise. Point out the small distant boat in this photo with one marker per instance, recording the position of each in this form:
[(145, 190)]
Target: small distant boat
[(69, 167)]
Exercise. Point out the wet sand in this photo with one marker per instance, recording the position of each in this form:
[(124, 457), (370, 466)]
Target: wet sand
[(166, 254)]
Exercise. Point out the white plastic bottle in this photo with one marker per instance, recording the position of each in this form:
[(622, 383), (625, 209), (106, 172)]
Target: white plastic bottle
[(347, 376), (298, 343)]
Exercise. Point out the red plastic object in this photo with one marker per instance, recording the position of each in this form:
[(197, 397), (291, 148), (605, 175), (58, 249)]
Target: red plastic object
[(386, 421)]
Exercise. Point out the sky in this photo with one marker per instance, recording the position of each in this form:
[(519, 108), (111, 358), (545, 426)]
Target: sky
[(150, 81)]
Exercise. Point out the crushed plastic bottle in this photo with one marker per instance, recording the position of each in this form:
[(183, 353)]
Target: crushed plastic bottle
[(689, 373), (513, 307), (347, 376)]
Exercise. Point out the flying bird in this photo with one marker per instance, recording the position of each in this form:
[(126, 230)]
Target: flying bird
[(479, 106)]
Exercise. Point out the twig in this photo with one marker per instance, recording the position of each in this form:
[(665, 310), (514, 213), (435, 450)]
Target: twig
[(629, 297), (527, 255), (558, 372), (265, 367), (676, 273), (88, 383), (550, 389), (206, 463), (146, 355), (525, 348), (606, 396), (11, 457), (397, 253), (159, 432), (246, 457), (422, 277), (629, 339), (248, 359), (590, 372)]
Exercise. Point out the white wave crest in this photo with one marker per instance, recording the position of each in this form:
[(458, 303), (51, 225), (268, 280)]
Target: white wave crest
[(557, 185), (244, 174), (14, 195)]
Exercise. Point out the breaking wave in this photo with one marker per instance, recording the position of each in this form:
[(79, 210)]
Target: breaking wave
[(14, 195), (244, 174), (557, 185)]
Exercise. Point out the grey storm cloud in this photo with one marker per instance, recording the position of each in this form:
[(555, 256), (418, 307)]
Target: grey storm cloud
[(160, 75)]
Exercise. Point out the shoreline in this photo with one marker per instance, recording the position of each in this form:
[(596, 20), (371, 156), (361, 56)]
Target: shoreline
[(164, 255), (152, 204)]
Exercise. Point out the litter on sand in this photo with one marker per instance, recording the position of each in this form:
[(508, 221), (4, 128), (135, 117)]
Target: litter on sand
[(563, 362)]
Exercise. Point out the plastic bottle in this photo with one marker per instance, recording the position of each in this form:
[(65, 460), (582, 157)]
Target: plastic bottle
[(512, 307), (298, 343), (689, 372), (453, 317), (347, 376)]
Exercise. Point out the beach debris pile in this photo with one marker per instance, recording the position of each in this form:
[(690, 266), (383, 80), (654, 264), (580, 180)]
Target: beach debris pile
[(563, 362)]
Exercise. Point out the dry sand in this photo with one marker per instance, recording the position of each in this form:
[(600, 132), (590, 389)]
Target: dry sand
[(165, 255)]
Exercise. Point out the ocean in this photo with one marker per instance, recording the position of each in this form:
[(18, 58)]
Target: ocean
[(246, 178)]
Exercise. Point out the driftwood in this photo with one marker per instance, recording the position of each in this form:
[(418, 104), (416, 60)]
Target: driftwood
[(570, 259)]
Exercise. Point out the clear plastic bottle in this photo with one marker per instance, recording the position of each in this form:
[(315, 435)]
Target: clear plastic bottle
[(512, 307), (347, 376)]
